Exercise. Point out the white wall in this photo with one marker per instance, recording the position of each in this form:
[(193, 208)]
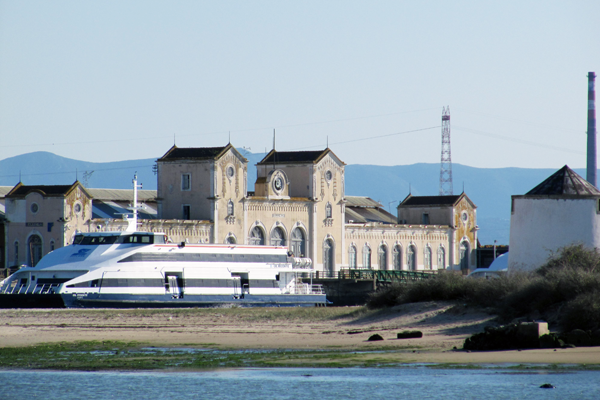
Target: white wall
[(539, 226)]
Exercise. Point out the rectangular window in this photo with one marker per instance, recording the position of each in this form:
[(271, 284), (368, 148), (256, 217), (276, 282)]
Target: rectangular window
[(186, 211), (425, 219), (186, 182)]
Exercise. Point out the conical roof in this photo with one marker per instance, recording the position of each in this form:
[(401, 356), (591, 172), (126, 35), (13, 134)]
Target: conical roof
[(565, 181)]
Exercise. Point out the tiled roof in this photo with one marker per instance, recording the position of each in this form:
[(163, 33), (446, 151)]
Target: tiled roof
[(430, 200), (361, 209), (47, 190), (4, 190), (116, 209), (121, 194), (294, 156), (195, 153), (565, 181), (360, 201), (364, 215)]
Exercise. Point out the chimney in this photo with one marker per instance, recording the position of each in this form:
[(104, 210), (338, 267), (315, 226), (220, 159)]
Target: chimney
[(591, 130)]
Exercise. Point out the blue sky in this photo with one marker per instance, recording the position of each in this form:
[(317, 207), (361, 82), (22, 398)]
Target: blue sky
[(117, 80)]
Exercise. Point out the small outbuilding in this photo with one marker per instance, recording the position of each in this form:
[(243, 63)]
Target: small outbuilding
[(562, 210)]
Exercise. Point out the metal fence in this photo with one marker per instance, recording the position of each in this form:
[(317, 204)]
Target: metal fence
[(371, 274)]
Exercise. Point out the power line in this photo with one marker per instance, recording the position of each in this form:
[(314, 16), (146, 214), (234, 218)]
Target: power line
[(74, 171), (234, 131), (515, 140), (369, 138), (551, 127)]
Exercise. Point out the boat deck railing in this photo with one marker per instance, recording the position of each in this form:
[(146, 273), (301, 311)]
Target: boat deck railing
[(306, 288), (29, 289)]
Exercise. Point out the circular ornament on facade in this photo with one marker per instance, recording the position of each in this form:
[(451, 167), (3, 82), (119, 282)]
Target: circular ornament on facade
[(34, 208), (464, 216), (77, 207), (328, 175), (230, 171), (278, 183)]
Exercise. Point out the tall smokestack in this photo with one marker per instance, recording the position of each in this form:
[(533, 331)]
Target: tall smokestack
[(591, 130)]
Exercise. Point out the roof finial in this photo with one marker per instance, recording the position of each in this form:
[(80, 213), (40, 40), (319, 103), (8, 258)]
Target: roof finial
[(229, 137), (174, 144), (273, 138), (327, 141)]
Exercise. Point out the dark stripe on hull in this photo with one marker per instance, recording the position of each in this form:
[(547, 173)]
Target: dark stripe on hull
[(31, 301), (206, 258), (167, 301)]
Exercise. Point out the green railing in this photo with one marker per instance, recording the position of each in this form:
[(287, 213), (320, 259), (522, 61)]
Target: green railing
[(385, 276)]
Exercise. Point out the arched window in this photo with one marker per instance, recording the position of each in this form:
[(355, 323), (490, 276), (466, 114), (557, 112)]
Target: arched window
[(464, 257), (35, 250), (441, 258), (328, 211), (230, 208), (382, 258), (366, 257), (411, 259), (277, 237), (230, 239), (298, 243), (352, 257), (397, 254), (52, 245), (328, 254), (257, 237), (427, 257), (17, 252)]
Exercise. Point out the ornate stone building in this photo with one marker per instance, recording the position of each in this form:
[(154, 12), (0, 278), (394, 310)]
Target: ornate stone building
[(41, 218), (456, 220), (299, 202)]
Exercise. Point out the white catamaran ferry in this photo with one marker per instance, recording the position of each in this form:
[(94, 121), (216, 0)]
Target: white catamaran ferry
[(142, 269)]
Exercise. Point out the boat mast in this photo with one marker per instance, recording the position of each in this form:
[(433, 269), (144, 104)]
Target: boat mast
[(132, 223)]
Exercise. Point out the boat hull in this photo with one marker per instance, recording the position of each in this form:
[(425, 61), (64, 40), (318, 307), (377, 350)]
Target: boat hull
[(31, 301), (167, 301), (155, 301)]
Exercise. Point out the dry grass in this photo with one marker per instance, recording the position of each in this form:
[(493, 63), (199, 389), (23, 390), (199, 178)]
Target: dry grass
[(565, 291)]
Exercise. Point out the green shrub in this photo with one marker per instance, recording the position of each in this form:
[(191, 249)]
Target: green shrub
[(565, 290), (575, 257), (583, 312), (448, 286)]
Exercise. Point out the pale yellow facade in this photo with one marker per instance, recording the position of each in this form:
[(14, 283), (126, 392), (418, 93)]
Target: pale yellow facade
[(42, 218), (299, 203), (458, 213)]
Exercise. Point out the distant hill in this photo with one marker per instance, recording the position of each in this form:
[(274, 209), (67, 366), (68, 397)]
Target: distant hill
[(489, 188), (43, 168)]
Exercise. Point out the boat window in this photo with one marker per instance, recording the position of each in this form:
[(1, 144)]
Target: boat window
[(137, 239), (94, 240)]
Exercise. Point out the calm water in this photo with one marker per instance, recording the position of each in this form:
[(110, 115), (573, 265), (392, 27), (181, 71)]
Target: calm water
[(301, 383)]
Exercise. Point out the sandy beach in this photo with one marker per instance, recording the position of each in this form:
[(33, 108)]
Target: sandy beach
[(444, 328)]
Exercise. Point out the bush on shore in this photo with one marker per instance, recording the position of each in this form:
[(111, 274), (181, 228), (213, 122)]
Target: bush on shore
[(564, 291)]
